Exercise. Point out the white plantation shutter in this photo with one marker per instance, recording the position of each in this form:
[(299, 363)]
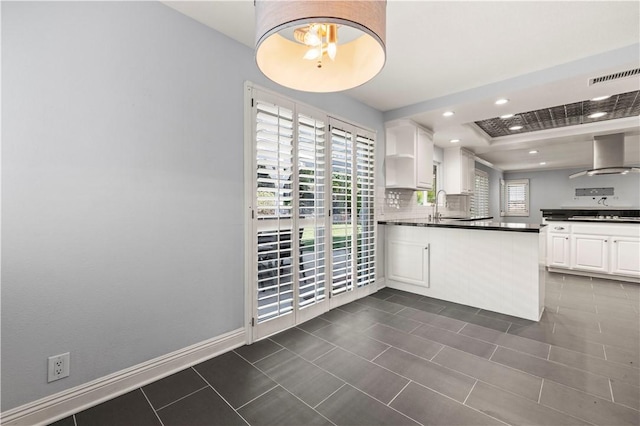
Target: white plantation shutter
[(312, 170), (365, 178), (515, 197), (313, 226), (480, 197), (274, 209), (342, 209)]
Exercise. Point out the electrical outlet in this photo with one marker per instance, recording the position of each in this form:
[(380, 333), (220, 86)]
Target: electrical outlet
[(58, 367)]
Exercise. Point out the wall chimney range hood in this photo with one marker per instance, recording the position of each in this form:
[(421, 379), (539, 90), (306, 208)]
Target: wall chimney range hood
[(608, 157)]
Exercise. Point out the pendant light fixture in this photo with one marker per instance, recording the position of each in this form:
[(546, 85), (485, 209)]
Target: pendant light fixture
[(320, 46)]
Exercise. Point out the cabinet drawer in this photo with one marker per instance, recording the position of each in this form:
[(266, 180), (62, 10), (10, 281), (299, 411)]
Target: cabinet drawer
[(559, 228)]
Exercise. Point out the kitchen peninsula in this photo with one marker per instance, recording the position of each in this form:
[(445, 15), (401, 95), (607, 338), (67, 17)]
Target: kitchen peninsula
[(490, 265)]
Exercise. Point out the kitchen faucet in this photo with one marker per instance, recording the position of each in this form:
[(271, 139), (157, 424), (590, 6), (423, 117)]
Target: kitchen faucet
[(437, 217)]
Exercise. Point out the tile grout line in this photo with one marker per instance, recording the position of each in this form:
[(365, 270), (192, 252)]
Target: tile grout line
[(437, 353), (182, 397), (540, 393), (611, 390), (493, 353), (549, 353), (151, 405), (262, 394), (394, 398), (222, 397), (508, 328), (380, 354), (75, 422), (330, 395), (604, 350), (264, 357), (292, 394), (469, 394), (563, 384), (463, 326)]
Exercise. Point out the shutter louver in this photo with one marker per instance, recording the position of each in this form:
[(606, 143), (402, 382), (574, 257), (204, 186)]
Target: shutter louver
[(274, 195), (311, 210), (365, 178), (341, 205), (480, 197)]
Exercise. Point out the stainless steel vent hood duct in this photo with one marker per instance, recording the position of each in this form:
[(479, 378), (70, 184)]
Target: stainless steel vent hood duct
[(608, 157)]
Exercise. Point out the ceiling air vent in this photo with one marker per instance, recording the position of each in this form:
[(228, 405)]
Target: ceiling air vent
[(616, 76)]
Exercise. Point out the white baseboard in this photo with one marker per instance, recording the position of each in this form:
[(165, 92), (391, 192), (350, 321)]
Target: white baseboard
[(76, 399)]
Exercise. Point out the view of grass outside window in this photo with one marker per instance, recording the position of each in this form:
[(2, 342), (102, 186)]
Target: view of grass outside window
[(428, 198)]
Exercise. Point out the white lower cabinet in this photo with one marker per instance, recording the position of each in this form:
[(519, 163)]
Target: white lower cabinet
[(625, 256), (558, 250), (603, 249), (495, 270), (408, 262), (590, 253)]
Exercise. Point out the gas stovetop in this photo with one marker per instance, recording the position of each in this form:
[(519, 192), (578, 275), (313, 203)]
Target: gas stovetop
[(602, 218)]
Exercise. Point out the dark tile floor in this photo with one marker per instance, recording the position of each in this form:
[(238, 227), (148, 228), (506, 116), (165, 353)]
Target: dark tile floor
[(395, 358)]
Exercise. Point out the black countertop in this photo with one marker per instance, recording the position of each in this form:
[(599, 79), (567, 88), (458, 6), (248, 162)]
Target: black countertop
[(592, 215), (484, 225)]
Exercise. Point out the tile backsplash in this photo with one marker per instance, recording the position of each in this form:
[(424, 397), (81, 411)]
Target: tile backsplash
[(402, 204)]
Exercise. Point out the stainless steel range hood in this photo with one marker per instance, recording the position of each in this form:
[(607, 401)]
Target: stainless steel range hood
[(608, 157)]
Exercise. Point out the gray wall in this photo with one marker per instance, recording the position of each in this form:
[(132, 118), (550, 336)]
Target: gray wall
[(554, 190), (122, 186)]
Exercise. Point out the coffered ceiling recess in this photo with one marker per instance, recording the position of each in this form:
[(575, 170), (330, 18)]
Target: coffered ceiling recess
[(622, 105)]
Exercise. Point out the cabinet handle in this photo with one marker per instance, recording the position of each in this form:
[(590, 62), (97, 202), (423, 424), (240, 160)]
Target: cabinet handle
[(566, 238), (559, 228), (606, 241)]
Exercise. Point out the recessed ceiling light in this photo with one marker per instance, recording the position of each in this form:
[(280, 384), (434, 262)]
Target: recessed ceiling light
[(506, 116), (542, 163), (454, 140), (448, 113), (533, 151), (515, 127), (502, 101), (597, 114), (601, 98)]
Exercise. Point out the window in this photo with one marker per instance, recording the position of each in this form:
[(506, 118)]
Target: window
[(427, 198), (480, 197), (514, 197)]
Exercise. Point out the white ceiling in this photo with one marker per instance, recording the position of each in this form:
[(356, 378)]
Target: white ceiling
[(463, 55)]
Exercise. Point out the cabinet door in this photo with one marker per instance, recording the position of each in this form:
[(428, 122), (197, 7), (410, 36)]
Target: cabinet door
[(590, 253), (424, 161), (558, 250), (464, 172), (625, 256), (408, 262), (471, 167)]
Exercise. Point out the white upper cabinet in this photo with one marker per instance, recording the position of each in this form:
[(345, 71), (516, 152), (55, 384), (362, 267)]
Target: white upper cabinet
[(409, 155), (459, 171)]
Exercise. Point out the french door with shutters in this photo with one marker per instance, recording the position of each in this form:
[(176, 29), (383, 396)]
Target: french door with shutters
[(352, 212), (303, 174)]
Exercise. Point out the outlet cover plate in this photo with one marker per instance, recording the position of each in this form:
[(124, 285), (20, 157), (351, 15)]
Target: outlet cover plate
[(58, 367)]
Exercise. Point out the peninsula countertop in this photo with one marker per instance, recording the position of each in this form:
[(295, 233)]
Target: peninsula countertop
[(481, 224)]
